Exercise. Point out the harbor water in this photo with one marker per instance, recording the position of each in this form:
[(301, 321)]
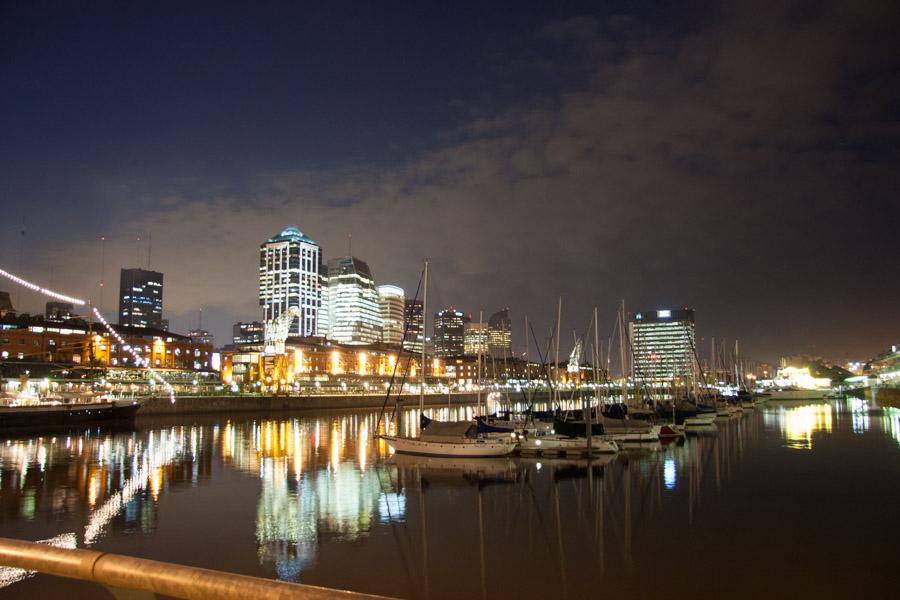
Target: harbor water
[(797, 499)]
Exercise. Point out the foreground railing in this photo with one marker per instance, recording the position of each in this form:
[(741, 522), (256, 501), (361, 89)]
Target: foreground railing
[(117, 571)]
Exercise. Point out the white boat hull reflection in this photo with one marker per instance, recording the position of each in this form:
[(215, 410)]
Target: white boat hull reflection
[(558, 444)]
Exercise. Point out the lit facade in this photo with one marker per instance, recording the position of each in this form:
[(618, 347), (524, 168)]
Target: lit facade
[(353, 303), (391, 306), (289, 277), (325, 366), (140, 298), (414, 325), (75, 342), (663, 342), (449, 332), (500, 334), (476, 339)]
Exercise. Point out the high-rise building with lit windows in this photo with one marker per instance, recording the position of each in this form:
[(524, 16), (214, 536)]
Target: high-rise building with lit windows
[(476, 338), (391, 305), (289, 277), (500, 334), (663, 343), (414, 324), (449, 332), (353, 305), (140, 298)]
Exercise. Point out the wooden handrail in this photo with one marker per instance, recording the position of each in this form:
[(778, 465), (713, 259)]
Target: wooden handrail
[(180, 581)]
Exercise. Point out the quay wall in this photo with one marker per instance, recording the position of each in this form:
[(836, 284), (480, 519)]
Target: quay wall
[(185, 405)]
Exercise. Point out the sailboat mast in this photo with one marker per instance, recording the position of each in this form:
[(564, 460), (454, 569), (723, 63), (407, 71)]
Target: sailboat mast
[(424, 337), (622, 355), (527, 374), (480, 317), (596, 358), (556, 364)]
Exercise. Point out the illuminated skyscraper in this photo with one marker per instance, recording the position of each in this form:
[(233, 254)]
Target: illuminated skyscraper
[(140, 298), (476, 340), (353, 308), (414, 324), (663, 342), (289, 277), (500, 334), (449, 332), (390, 301)]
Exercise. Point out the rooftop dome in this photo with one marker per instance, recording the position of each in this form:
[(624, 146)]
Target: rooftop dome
[(291, 234)]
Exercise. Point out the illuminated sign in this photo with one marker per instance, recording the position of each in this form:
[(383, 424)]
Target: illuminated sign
[(664, 314)]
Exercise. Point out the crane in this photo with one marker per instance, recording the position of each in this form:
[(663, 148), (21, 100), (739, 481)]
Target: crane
[(276, 330)]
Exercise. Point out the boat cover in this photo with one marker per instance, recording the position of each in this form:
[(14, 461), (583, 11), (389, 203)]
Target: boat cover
[(447, 431)]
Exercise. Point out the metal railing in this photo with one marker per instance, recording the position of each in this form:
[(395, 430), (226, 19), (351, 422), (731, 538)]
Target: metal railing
[(117, 571)]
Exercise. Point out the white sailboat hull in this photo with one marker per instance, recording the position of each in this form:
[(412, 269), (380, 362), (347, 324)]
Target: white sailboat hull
[(474, 448)]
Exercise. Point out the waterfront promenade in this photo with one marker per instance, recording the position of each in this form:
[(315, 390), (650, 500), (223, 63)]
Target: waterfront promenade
[(184, 405)]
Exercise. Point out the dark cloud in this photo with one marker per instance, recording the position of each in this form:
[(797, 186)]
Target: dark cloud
[(742, 161)]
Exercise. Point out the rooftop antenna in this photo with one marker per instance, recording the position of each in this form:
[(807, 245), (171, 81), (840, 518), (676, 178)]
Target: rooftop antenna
[(21, 258), (349, 244), (102, 268)]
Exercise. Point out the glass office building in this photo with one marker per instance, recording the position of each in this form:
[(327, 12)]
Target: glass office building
[(391, 305), (289, 277), (140, 298), (663, 342), (353, 302)]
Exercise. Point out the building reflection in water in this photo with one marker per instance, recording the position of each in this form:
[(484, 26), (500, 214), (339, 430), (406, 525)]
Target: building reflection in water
[(799, 423), (325, 480), (317, 477), (99, 474)]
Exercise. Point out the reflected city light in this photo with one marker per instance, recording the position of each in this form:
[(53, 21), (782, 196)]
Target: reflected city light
[(798, 424), (669, 473)]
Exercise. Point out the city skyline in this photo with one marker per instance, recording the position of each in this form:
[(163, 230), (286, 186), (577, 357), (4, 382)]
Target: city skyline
[(589, 152)]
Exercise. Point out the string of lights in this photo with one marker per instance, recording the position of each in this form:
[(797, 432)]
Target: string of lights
[(38, 288), (138, 360)]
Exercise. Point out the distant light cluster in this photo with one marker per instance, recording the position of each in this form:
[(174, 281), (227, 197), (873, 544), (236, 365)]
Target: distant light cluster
[(138, 360)]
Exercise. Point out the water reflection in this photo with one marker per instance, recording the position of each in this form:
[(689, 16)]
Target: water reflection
[(799, 423), (325, 493)]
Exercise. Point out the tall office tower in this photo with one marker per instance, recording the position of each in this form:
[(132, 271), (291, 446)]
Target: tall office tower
[(414, 324), (289, 277), (353, 310), (391, 305), (248, 333), (500, 334), (449, 332), (663, 342), (140, 298), (476, 338)]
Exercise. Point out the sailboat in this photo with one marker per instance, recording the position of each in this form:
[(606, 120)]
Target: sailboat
[(436, 438)]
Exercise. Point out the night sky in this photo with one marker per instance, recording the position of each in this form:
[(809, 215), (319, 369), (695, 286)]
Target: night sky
[(738, 158)]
